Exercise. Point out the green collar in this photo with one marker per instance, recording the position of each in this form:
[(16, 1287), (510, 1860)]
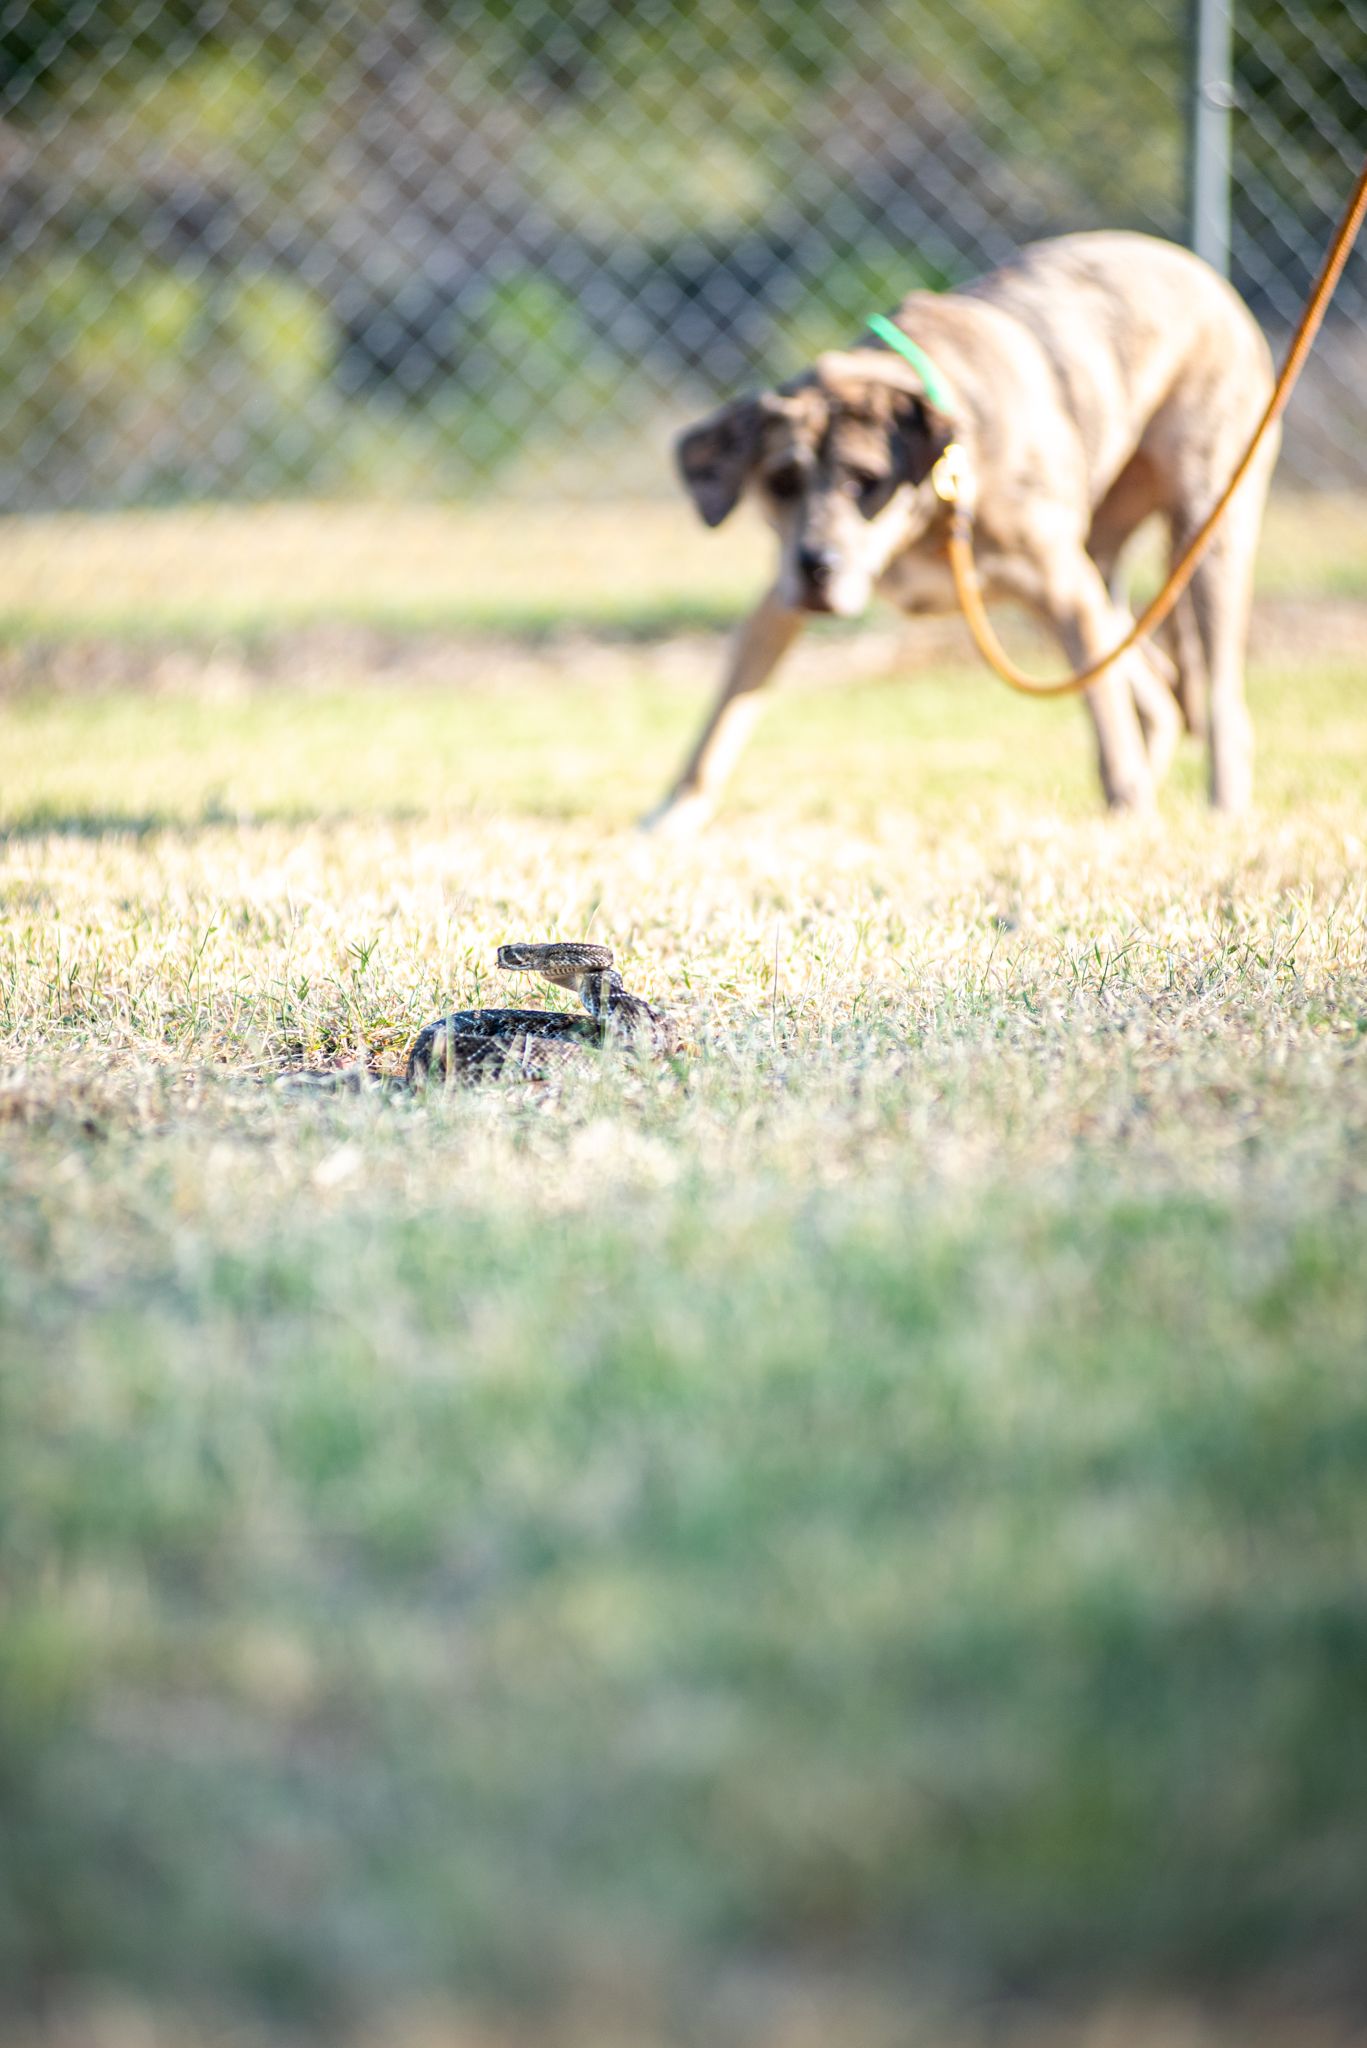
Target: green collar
[(937, 390)]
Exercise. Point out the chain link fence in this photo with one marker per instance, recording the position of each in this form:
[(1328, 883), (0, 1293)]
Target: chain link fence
[(360, 247)]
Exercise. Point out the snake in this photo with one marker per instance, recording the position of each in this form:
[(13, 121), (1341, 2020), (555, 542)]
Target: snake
[(507, 1044), (474, 1045)]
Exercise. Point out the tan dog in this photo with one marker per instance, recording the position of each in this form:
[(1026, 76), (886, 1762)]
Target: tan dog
[(1092, 381)]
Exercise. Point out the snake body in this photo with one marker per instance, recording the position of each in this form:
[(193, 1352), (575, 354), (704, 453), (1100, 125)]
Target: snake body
[(472, 1045)]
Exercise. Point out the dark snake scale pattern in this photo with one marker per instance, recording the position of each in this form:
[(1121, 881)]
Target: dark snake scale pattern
[(472, 1045)]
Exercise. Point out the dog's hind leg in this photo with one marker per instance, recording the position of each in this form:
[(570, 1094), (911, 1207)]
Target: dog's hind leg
[(1183, 638), (760, 645), (1146, 671), (1204, 439), (1221, 594), (1152, 674), (1221, 600), (1088, 623), (1153, 679)]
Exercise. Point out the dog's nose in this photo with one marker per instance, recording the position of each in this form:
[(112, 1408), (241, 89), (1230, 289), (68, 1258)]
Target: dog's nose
[(817, 564)]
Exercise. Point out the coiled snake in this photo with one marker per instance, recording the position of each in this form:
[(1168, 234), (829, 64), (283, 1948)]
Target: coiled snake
[(480, 1044)]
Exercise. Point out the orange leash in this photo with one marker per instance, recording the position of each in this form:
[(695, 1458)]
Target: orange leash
[(950, 474)]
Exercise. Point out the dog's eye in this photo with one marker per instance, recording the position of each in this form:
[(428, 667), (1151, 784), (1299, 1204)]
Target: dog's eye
[(787, 482), (871, 493)]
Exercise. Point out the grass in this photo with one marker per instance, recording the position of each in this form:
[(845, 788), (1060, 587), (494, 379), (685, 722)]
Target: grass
[(523, 568), (857, 1537), (504, 565)]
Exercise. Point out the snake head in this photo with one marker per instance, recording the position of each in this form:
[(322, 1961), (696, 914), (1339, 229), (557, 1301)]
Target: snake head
[(574, 964)]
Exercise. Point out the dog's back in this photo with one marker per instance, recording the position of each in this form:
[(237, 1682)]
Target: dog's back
[(1130, 324)]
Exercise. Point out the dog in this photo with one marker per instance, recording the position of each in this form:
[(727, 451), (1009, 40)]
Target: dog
[(1094, 380)]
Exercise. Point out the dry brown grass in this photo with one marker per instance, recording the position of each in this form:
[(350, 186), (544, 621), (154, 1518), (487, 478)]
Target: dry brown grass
[(798, 1547), (232, 568)]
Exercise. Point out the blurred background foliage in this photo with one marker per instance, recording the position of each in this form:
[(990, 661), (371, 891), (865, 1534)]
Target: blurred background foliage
[(254, 249)]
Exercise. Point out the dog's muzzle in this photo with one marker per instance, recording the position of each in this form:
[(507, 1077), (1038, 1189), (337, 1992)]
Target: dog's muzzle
[(818, 569)]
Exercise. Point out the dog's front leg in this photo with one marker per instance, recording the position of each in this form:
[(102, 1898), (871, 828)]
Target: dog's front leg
[(760, 645)]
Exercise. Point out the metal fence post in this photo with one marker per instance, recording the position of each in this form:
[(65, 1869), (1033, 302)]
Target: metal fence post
[(1211, 98), (463, 248)]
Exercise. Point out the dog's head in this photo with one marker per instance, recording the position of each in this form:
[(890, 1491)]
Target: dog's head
[(839, 461)]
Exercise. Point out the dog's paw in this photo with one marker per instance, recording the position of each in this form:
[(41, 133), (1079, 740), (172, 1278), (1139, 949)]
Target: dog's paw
[(1134, 798), (678, 817)]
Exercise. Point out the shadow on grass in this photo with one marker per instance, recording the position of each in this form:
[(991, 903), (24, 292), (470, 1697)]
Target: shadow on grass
[(45, 821), (267, 639)]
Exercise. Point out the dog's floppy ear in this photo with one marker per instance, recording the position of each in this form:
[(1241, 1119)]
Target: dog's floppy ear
[(921, 434), (716, 457)]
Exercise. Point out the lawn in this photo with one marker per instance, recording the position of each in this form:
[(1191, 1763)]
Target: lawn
[(530, 567), (856, 1536)]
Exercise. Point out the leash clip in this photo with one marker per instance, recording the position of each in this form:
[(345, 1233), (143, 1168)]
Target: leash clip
[(950, 476)]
